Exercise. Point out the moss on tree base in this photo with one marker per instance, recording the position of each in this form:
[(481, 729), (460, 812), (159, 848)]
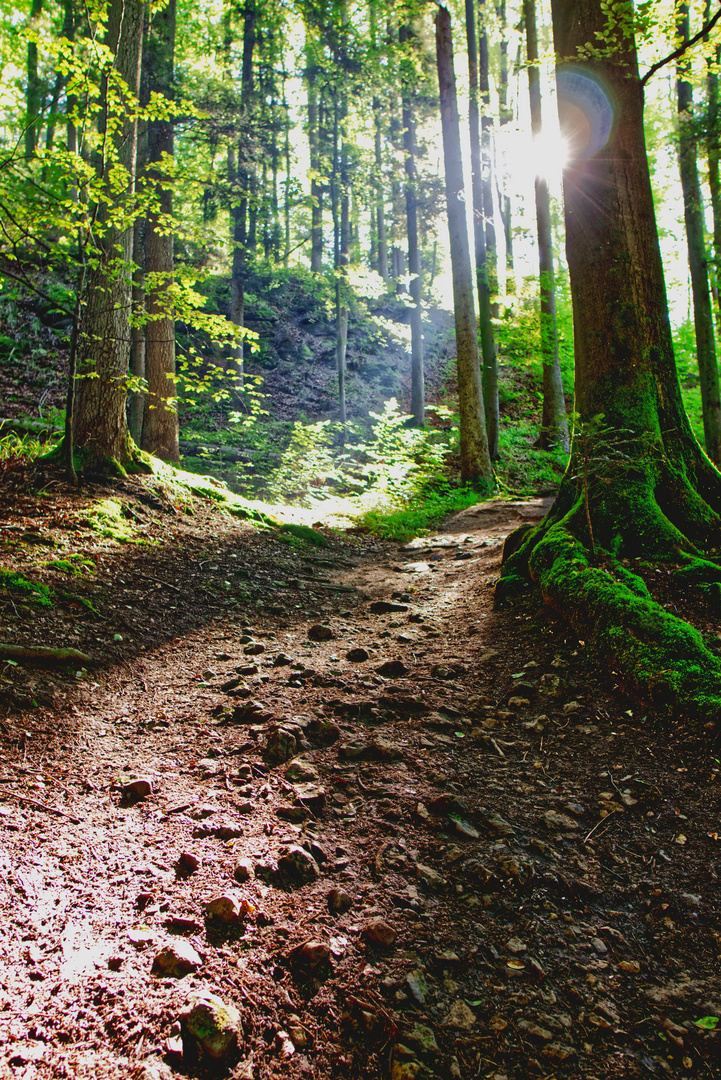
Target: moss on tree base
[(656, 657)]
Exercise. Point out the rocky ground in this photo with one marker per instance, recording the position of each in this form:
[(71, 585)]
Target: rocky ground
[(322, 812)]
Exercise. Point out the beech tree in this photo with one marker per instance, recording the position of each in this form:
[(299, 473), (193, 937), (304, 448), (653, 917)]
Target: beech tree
[(101, 430), (639, 485)]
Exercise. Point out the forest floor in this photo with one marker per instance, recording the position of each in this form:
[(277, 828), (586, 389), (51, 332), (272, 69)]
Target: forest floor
[(436, 844)]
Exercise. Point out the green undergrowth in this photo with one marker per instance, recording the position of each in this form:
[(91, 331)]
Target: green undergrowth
[(29, 590), (105, 517), (428, 511)]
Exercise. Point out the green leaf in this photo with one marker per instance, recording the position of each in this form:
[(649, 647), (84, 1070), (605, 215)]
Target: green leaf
[(708, 1023)]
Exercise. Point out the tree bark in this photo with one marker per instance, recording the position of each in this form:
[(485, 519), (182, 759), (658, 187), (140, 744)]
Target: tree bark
[(485, 314), (490, 361), (101, 430), (379, 208), (415, 287), (638, 484), (160, 421), (33, 92), (697, 259), (554, 425), (476, 465), (316, 186), (713, 152)]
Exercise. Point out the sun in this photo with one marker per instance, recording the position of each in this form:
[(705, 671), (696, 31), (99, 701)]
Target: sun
[(551, 153)]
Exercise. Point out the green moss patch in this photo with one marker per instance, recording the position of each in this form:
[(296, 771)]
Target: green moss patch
[(30, 590)]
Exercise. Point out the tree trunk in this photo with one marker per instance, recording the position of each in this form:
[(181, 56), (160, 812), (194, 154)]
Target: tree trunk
[(697, 260), (137, 346), (488, 344), (415, 287), (638, 484), (505, 118), (160, 421), (475, 459), (490, 361), (554, 425), (101, 430), (316, 186), (341, 221), (379, 209), (713, 151), (33, 93)]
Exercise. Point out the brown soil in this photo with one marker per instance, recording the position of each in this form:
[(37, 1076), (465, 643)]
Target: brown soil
[(546, 861)]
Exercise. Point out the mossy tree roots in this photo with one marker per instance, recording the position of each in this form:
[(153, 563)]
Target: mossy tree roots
[(656, 657)]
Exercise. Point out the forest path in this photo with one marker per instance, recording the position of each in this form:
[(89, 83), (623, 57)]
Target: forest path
[(458, 856)]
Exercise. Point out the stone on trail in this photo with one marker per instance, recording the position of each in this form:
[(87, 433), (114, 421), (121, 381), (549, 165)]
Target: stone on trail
[(392, 669), (300, 771), (254, 649), (187, 864), (281, 660), (460, 1016), (138, 789), (383, 607), (357, 656), (282, 745), (379, 932), (299, 866), (210, 1026), (320, 632), (553, 820), (243, 870), (339, 901), (313, 953), (227, 908), (176, 960)]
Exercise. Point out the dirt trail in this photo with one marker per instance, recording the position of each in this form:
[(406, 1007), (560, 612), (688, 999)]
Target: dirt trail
[(454, 854)]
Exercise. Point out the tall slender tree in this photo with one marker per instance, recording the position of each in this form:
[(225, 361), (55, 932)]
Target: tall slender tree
[(476, 465), (697, 256), (554, 424), (160, 423), (415, 288), (483, 289)]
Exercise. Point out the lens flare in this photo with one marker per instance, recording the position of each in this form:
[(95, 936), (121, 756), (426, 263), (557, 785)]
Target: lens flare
[(585, 111)]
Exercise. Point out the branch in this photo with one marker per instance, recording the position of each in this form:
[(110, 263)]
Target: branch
[(705, 29)]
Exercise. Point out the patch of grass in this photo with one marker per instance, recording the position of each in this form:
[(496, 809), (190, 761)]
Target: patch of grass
[(427, 511), (30, 590)]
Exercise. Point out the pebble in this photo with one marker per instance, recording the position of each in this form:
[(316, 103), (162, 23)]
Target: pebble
[(357, 656), (299, 865), (301, 771), (383, 607), (243, 870), (320, 632), (515, 945), (518, 703), (392, 669), (460, 1016), (176, 960), (429, 876), (254, 649), (228, 908), (281, 746), (379, 932), (211, 1025), (138, 789), (281, 660), (314, 953), (187, 864), (554, 820), (339, 901)]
